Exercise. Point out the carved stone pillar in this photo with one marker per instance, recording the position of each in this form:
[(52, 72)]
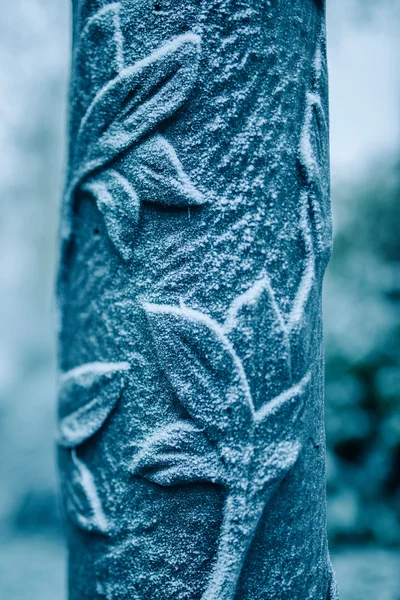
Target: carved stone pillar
[(195, 234)]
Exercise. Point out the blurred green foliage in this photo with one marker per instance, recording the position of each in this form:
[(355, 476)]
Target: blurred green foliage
[(362, 339)]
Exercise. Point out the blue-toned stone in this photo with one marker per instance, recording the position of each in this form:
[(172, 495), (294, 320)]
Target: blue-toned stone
[(194, 237)]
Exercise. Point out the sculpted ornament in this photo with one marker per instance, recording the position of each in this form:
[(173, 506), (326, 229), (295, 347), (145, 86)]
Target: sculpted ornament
[(244, 382), (118, 156)]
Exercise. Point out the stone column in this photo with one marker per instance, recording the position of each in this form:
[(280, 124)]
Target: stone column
[(195, 232)]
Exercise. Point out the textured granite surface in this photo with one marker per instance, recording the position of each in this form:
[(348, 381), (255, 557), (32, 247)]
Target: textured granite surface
[(195, 234)]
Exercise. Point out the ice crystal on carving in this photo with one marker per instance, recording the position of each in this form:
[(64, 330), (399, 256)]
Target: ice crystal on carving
[(230, 442), (88, 394), (117, 156)]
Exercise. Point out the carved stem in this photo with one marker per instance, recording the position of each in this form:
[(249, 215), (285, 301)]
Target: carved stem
[(241, 517)]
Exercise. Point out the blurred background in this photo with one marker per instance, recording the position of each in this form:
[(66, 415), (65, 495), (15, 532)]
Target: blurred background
[(361, 304)]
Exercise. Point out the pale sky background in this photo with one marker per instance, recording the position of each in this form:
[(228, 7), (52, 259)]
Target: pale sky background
[(364, 69)]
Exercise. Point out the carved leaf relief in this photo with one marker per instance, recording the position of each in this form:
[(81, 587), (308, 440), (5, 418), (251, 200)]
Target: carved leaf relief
[(159, 176), (277, 433), (204, 370), (314, 158), (178, 454), (94, 69), (247, 451), (118, 156), (138, 99), (119, 204), (82, 501), (88, 394)]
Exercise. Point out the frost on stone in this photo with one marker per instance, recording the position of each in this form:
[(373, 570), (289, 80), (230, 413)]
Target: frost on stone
[(82, 501), (314, 158), (120, 217), (88, 394), (333, 591), (177, 454), (228, 441), (234, 411), (118, 157)]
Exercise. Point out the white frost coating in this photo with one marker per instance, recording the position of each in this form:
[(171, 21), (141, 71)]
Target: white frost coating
[(119, 40), (159, 53), (94, 368), (317, 63), (89, 486), (252, 467), (196, 315), (307, 280), (250, 297), (282, 398), (307, 157)]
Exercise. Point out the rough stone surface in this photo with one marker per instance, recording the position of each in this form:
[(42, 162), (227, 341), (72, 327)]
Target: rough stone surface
[(195, 234)]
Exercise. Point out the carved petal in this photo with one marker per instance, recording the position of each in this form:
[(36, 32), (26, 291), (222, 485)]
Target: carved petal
[(178, 454), (137, 100), (256, 326), (119, 205), (279, 433), (204, 370), (87, 396), (158, 175)]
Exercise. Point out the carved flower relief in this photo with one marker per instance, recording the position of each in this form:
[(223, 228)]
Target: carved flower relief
[(238, 434), (226, 440), (118, 157)]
